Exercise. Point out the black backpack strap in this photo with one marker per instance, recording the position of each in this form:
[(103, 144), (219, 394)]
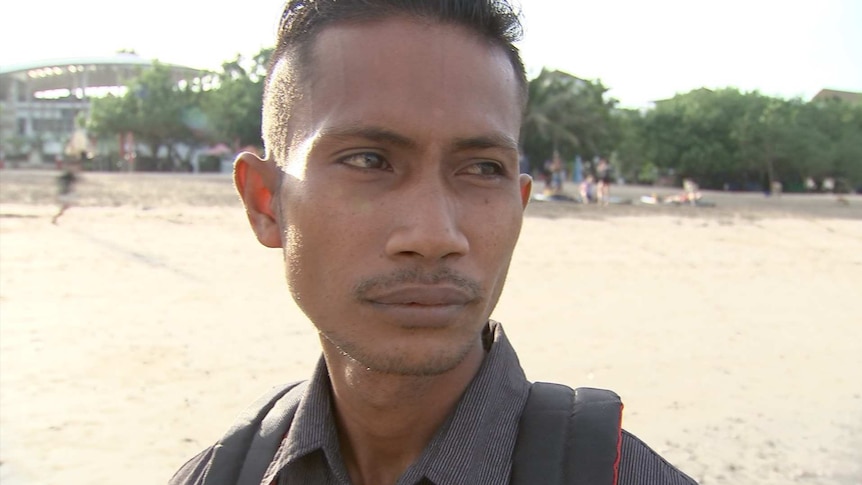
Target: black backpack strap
[(246, 450), (568, 437), (597, 437), (540, 448)]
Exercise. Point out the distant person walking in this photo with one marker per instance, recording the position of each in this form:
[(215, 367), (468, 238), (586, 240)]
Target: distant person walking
[(578, 172), (66, 189), (557, 173), (603, 185)]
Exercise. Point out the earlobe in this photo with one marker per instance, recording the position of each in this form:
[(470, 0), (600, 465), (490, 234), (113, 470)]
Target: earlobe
[(257, 182), (526, 189)]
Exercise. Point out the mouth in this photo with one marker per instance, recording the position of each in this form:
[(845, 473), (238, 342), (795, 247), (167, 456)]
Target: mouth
[(423, 296), (422, 306)]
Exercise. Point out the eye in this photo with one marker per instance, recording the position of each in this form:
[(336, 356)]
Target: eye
[(485, 169), (366, 161)]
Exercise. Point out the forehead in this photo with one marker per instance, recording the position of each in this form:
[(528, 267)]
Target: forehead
[(410, 74)]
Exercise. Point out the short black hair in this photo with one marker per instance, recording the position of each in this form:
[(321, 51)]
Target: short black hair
[(493, 20)]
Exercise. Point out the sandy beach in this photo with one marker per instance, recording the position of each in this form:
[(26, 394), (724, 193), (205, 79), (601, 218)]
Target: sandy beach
[(135, 330)]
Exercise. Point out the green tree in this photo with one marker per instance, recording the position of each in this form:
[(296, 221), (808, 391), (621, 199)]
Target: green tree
[(566, 114), (692, 135), (742, 140), (156, 108), (233, 108), (835, 140), (773, 141), (629, 154)]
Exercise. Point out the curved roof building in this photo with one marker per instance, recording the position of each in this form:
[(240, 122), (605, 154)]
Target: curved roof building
[(40, 101)]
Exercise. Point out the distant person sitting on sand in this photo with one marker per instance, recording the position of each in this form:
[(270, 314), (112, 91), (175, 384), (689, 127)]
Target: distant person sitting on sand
[(691, 191), (586, 189), (66, 189), (690, 194)]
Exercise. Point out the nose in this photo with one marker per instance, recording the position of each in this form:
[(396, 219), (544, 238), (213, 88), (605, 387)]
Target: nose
[(427, 224)]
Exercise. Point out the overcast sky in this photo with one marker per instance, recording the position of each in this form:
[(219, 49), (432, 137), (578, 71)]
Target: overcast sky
[(642, 50)]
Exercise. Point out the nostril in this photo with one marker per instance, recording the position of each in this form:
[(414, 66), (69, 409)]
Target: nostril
[(416, 244)]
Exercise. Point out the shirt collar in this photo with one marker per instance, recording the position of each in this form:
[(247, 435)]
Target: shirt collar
[(477, 442), (474, 445), (313, 426)]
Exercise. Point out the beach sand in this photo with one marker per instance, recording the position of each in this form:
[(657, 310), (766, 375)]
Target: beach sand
[(132, 333)]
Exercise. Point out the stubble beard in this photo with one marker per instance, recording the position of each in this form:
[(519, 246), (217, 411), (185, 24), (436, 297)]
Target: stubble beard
[(402, 361)]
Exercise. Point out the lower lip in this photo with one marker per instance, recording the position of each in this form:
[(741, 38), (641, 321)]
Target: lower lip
[(420, 316)]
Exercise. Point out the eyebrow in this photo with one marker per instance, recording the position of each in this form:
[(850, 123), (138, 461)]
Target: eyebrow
[(383, 135), (493, 140), (371, 133)]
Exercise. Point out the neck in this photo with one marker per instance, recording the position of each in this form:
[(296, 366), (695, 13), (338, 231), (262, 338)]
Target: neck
[(385, 421)]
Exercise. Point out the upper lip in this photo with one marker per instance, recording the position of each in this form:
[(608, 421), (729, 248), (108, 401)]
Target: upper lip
[(427, 295)]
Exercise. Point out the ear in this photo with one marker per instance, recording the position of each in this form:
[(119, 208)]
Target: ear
[(257, 181), (526, 189)]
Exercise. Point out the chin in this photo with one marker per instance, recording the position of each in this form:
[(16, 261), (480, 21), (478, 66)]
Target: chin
[(420, 356)]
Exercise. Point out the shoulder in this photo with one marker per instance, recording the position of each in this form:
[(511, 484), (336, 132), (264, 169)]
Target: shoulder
[(640, 465), (194, 471), (260, 426)]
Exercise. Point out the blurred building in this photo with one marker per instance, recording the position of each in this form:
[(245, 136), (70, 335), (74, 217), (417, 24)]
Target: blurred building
[(846, 96), (41, 101)]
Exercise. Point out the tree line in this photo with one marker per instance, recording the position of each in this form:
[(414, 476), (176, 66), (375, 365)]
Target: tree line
[(164, 115), (722, 139)]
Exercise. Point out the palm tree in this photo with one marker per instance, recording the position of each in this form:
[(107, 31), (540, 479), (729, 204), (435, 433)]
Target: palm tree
[(565, 114)]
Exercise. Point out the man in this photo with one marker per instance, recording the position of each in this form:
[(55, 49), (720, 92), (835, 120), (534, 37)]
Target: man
[(604, 179), (391, 183), (66, 187)]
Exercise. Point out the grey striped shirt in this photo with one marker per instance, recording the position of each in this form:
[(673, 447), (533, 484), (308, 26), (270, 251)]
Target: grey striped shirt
[(473, 446)]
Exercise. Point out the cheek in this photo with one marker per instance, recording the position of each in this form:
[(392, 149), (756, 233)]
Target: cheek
[(322, 235), (493, 239), (499, 222), (505, 237)]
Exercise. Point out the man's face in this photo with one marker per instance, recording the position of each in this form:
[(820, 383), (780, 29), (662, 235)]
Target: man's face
[(401, 201)]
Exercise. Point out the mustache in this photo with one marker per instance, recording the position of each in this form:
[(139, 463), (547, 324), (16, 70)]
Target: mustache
[(416, 276)]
